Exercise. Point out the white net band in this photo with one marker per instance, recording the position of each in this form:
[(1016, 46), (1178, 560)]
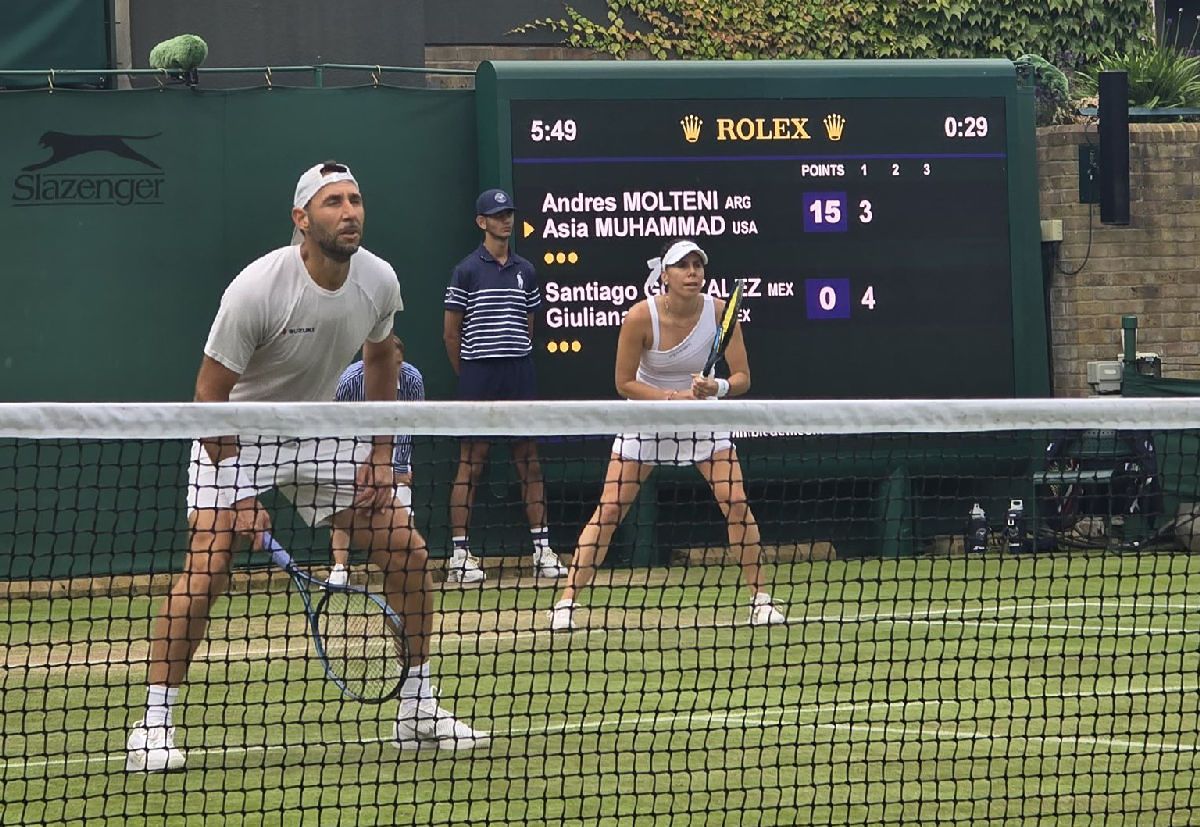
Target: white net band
[(185, 420)]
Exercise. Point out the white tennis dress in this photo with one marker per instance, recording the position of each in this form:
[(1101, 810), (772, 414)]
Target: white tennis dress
[(672, 370)]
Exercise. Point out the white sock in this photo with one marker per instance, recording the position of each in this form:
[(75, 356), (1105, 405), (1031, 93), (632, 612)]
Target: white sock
[(541, 538), (761, 599), (462, 547), (417, 685), (565, 603), (159, 700)]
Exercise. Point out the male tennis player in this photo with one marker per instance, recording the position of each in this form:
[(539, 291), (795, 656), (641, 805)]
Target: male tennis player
[(286, 326), (488, 331), (661, 350), (410, 387)]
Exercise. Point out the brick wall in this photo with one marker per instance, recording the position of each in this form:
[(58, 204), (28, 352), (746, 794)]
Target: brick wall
[(1150, 269)]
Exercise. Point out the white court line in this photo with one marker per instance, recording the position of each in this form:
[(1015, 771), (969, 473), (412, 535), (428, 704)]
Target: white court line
[(958, 732), (1032, 625), (764, 717), (227, 654)]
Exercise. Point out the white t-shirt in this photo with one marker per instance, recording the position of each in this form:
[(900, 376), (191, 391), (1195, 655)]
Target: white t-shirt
[(289, 338)]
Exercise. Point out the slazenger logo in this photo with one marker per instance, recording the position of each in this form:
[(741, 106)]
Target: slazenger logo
[(34, 188)]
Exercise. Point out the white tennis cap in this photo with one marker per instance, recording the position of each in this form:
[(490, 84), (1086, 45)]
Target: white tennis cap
[(318, 176), (679, 249)]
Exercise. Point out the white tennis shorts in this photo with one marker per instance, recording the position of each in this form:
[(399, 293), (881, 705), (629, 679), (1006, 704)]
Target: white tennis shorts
[(316, 475), (672, 448)]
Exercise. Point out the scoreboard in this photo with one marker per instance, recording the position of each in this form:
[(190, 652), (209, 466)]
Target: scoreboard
[(882, 214)]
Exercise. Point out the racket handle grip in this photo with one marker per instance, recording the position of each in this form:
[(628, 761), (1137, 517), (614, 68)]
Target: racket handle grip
[(278, 553)]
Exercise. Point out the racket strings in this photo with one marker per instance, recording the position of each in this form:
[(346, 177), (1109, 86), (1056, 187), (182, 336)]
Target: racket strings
[(360, 646)]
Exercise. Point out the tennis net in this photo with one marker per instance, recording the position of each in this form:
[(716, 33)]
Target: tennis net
[(950, 612)]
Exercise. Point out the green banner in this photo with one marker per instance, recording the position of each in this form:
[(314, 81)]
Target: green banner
[(125, 215)]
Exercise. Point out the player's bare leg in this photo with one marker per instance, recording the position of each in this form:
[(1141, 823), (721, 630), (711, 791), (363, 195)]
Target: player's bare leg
[(183, 615), (397, 549), (178, 631), (622, 481), (724, 475), (395, 546)]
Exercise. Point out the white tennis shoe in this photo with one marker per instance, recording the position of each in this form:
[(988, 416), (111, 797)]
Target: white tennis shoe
[(560, 616), (338, 576), (152, 749), (547, 564), (422, 724), (764, 613), (463, 567)]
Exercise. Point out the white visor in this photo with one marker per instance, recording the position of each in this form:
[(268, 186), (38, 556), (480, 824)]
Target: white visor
[(679, 249), (312, 181), (310, 184)]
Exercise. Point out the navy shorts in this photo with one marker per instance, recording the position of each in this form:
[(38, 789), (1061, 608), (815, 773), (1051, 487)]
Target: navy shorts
[(497, 380)]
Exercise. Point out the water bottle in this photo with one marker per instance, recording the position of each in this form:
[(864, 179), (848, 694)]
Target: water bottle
[(1014, 526), (977, 531)]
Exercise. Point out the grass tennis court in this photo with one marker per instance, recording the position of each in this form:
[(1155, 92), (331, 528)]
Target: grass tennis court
[(993, 690)]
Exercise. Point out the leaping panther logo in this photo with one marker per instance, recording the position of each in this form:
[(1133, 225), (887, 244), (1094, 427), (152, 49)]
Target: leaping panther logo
[(63, 146)]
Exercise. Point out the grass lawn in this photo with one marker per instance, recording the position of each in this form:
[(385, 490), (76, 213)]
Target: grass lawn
[(992, 690)]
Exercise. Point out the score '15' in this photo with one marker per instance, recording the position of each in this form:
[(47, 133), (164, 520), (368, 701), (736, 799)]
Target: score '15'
[(827, 212)]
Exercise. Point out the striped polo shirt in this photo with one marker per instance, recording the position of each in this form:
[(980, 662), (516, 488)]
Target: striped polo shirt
[(410, 387), (495, 301)]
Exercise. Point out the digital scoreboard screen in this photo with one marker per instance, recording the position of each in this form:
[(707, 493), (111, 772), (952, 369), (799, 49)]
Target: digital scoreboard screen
[(873, 234)]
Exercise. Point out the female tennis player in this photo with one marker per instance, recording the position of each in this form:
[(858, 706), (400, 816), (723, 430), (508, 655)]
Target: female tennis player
[(661, 351)]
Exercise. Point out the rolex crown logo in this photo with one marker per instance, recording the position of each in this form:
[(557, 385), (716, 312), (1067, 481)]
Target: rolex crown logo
[(691, 128), (834, 124)]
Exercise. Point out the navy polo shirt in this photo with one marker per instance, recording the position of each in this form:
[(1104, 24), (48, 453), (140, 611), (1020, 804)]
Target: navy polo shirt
[(495, 302)]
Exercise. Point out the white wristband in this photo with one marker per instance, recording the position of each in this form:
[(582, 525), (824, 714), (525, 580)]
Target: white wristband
[(722, 388)]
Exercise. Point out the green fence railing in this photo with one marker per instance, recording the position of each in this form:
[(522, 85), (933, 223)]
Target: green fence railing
[(317, 71)]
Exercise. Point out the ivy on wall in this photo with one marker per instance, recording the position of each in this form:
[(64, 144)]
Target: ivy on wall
[(1069, 33)]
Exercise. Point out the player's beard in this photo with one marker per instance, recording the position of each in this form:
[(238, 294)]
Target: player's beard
[(331, 245)]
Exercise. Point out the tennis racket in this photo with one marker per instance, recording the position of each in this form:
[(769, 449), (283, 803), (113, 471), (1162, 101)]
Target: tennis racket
[(359, 640), (725, 329)]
